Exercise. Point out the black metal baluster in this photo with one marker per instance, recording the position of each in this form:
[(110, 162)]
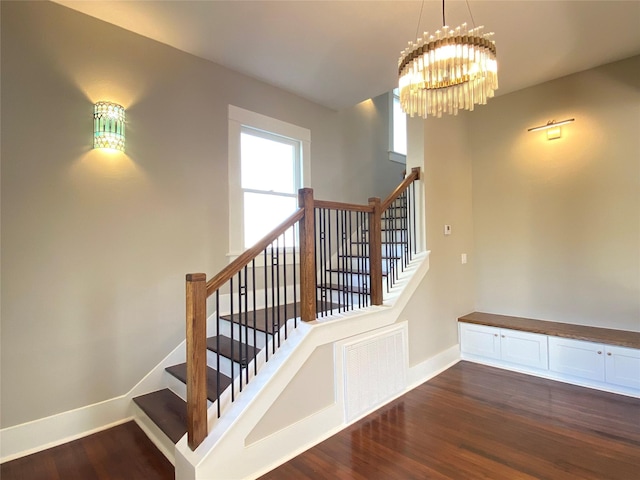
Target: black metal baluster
[(276, 258), (284, 273), (415, 243), (218, 350), (266, 306), (232, 338), (244, 357), (239, 331), (255, 308), (324, 264), (295, 281), (273, 306)]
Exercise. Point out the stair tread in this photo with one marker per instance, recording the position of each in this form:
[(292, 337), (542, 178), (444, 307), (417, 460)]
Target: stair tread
[(396, 242), (242, 353), (354, 271), (266, 317), (344, 288), (167, 410), (180, 372), (384, 257)]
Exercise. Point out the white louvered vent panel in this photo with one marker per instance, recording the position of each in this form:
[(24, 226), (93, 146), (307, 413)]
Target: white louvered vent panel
[(375, 370)]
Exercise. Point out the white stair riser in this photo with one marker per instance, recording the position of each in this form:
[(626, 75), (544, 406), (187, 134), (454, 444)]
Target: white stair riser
[(225, 364), (240, 333)]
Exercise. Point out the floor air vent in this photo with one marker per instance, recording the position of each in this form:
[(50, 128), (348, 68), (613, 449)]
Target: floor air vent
[(375, 370)]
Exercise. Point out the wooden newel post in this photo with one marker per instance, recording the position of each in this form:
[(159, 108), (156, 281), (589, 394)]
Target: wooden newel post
[(197, 425), (375, 251), (307, 233)]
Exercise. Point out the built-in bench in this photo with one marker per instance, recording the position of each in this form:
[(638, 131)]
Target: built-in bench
[(601, 358), (622, 338)]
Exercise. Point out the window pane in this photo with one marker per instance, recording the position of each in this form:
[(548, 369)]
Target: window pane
[(399, 128), (264, 212), (267, 164)]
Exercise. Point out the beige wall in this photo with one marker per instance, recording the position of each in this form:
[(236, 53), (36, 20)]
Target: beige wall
[(310, 390), (557, 223), (447, 290), (95, 247), (365, 140)]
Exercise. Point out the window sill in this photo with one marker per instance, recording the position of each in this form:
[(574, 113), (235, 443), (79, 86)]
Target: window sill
[(398, 157)]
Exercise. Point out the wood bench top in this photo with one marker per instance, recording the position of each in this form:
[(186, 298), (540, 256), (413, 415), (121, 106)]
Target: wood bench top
[(622, 338)]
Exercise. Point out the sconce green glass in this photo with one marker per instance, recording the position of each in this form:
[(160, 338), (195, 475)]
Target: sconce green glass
[(108, 126)]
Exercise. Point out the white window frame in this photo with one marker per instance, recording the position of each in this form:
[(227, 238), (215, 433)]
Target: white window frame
[(239, 117), (393, 155)]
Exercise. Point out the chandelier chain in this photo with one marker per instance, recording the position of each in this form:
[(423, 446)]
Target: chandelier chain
[(419, 19), (444, 22), (473, 22)]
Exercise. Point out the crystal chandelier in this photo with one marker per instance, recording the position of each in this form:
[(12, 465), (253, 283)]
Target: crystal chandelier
[(452, 70)]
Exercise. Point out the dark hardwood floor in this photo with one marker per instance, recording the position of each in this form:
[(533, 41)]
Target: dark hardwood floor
[(123, 452), (470, 422), (477, 422)]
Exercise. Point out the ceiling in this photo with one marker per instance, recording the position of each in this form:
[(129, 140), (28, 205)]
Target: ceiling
[(339, 53)]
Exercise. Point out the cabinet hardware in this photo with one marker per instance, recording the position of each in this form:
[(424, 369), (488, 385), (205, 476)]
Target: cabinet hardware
[(599, 352)]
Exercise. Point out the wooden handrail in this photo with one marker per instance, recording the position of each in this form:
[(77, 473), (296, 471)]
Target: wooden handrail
[(408, 180), (353, 207), (243, 259)]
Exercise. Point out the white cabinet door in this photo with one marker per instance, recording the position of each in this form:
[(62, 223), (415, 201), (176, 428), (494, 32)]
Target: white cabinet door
[(576, 358), (622, 366), (524, 348), (480, 340)]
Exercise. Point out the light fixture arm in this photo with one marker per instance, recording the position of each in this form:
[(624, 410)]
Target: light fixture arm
[(551, 124)]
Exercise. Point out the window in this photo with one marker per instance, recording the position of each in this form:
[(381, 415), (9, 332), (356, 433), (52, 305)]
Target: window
[(270, 179), (397, 129), (268, 163)]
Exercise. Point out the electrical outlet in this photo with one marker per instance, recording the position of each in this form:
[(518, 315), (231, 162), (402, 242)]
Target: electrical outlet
[(463, 258)]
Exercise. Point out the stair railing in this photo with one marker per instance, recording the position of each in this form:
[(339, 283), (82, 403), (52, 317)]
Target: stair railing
[(283, 280)]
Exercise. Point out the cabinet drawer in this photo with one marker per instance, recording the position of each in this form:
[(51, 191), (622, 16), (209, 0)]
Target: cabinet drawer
[(577, 358), (623, 366)]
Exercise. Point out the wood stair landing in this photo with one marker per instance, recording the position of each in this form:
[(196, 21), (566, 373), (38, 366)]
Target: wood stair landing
[(167, 410), (213, 390)]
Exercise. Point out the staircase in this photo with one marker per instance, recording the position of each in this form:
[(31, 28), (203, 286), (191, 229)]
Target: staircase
[(349, 255)]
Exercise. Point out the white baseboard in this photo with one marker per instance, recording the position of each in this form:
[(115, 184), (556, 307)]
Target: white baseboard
[(43, 433), (420, 373), (32, 437)]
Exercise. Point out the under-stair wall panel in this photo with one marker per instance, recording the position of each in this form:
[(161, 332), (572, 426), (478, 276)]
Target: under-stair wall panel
[(375, 369)]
